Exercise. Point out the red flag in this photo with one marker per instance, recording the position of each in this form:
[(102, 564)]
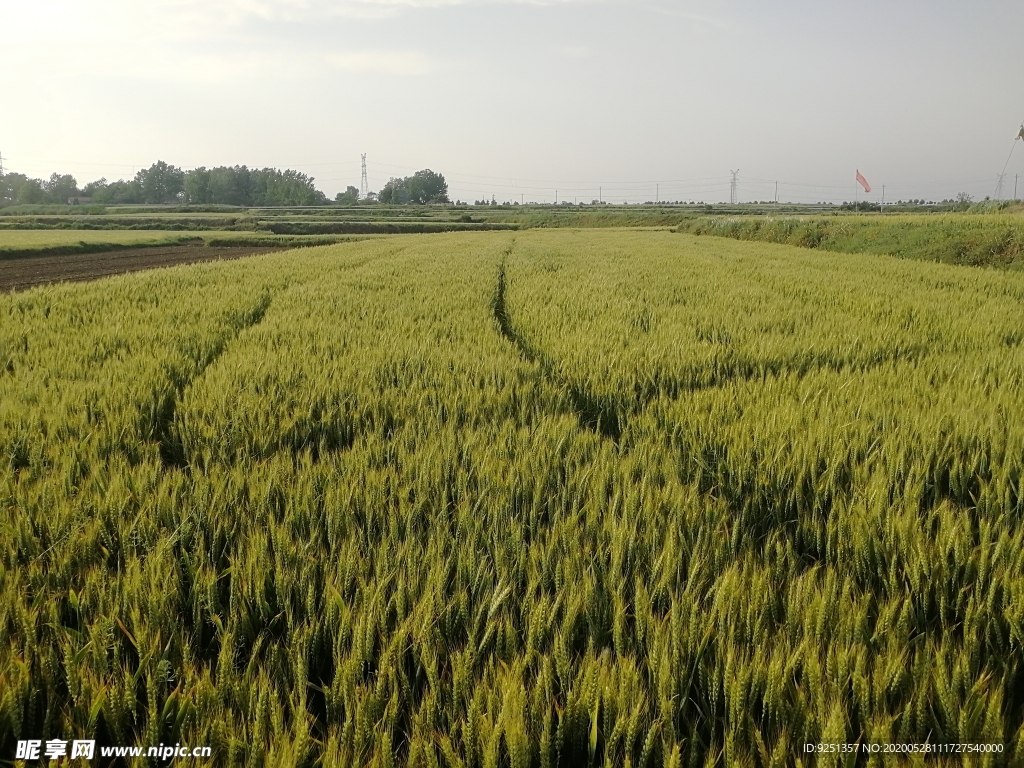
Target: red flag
[(863, 182)]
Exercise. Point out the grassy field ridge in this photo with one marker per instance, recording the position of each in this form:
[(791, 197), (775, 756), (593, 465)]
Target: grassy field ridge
[(990, 240)]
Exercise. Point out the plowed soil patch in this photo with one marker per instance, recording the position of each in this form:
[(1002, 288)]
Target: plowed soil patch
[(18, 274)]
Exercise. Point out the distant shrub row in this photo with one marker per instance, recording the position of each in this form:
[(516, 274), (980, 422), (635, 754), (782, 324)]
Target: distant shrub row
[(975, 240)]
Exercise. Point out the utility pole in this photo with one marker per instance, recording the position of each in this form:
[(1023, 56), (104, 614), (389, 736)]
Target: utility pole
[(657, 193), (732, 187), (883, 194), (600, 195), (1014, 180), (364, 185), (776, 193), (556, 197)]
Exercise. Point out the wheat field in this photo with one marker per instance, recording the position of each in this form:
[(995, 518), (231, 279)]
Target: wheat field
[(545, 498)]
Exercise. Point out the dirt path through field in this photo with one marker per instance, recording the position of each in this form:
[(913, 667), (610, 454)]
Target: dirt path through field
[(18, 274)]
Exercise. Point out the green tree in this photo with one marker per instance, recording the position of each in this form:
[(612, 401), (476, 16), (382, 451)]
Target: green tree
[(19, 189), (59, 188), (164, 183), (421, 188), (197, 186), (426, 186), (95, 189), (119, 191), (231, 185), (274, 187), (349, 197), (161, 183), (394, 192)]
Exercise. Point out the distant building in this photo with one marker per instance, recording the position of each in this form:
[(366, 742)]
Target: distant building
[(79, 200)]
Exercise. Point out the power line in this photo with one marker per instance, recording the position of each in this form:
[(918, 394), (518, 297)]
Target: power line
[(551, 182), (999, 185)]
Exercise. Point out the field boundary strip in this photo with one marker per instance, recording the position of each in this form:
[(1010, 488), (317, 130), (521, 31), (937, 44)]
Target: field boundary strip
[(605, 417), (964, 241), (594, 413), (82, 247), (172, 452)]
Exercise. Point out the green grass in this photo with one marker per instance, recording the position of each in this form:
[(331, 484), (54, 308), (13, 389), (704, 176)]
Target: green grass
[(27, 243), (995, 240), (21, 239), (297, 225), (546, 498)]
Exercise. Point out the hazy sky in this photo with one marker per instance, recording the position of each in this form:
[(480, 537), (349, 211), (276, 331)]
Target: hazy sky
[(522, 98)]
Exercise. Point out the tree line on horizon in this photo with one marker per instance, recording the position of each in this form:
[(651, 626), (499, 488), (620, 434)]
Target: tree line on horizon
[(422, 188), (162, 184)]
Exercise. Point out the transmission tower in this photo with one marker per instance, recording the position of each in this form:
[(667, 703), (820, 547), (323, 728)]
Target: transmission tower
[(732, 187), (1, 165), (364, 185), (999, 186)]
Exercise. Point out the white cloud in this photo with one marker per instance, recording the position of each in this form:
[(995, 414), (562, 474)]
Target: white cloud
[(188, 41), (100, 20), (280, 66), (163, 63), (690, 15), (196, 14)]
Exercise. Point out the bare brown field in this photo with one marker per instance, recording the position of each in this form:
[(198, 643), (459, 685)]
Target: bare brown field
[(19, 274)]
